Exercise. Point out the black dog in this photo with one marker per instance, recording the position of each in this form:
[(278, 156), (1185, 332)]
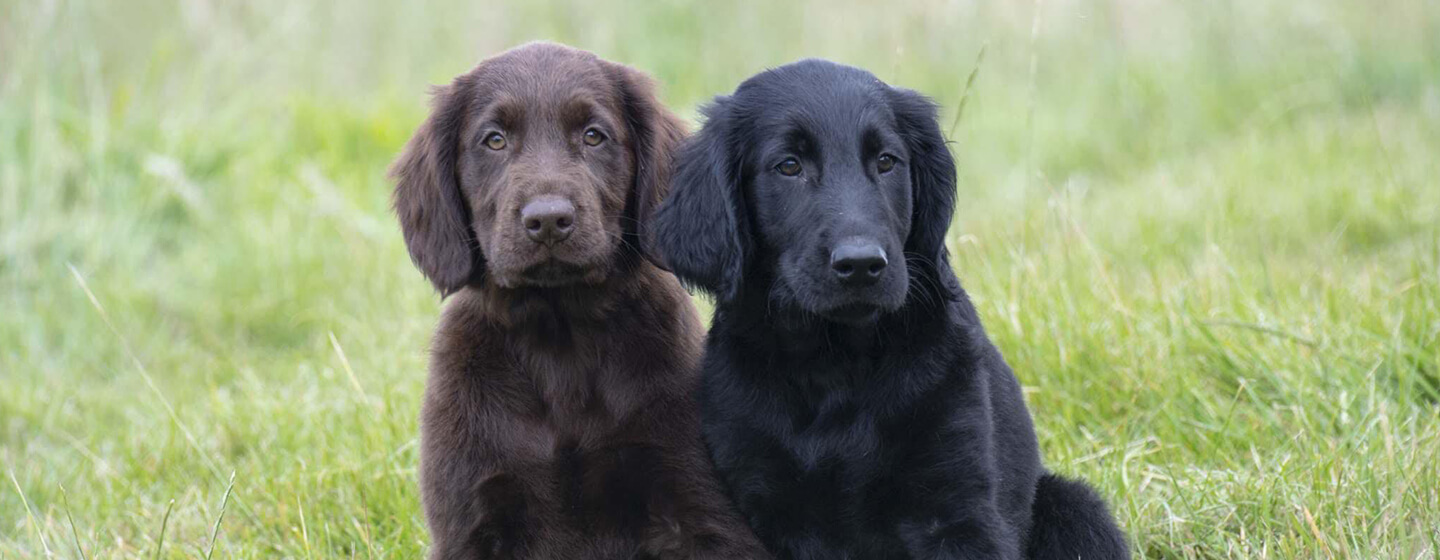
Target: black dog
[(851, 399)]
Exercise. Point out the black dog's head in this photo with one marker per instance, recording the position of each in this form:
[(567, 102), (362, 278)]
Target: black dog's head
[(819, 180), (533, 170)]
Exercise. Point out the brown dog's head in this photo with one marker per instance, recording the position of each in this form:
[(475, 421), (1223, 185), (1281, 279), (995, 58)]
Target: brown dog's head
[(534, 169)]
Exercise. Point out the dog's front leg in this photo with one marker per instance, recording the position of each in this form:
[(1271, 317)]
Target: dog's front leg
[(974, 535), (950, 491), (486, 521)]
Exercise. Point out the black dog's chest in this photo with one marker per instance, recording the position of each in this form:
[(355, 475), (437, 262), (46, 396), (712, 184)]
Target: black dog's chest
[(837, 430), (827, 469), (828, 485), (827, 463), (828, 427)]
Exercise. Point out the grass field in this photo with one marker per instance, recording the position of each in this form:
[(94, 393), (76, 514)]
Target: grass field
[(1206, 235)]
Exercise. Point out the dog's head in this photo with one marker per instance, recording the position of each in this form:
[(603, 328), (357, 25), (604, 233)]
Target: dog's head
[(533, 170), (819, 180)]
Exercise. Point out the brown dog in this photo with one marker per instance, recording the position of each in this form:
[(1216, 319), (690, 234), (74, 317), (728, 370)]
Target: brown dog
[(558, 421)]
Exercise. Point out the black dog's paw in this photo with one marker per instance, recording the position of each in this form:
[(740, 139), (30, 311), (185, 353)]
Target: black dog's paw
[(968, 539)]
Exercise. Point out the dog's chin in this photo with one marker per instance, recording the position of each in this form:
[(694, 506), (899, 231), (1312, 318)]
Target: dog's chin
[(855, 311), (553, 273), (851, 307), (852, 314)]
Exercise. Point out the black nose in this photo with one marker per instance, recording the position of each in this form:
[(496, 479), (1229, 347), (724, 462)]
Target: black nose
[(858, 264), (548, 219)]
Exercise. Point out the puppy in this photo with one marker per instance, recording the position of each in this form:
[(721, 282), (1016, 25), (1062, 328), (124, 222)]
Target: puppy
[(558, 420), (850, 398)]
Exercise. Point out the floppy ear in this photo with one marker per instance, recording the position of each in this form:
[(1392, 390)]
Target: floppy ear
[(655, 134), (700, 230), (433, 212), (932, 179)]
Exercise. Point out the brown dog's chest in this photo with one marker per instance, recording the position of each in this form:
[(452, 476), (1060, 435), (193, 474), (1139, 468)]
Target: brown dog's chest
[(593, 465), (581, 401)]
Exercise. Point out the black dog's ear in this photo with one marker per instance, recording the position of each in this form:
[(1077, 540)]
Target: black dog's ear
[(655, 134), (700, 229), (433, 212), (932, 178)]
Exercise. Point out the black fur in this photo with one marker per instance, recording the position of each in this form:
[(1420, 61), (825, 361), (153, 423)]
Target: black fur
[(867, 422)]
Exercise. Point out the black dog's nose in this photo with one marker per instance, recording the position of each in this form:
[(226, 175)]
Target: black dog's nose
[(858, 264), (548, 219)]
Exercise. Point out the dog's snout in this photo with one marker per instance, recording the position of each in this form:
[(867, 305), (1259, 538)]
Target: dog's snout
[(548, 219), (858, 264)]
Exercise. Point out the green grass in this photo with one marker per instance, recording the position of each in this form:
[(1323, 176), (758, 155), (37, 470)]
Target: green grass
[(1205, 235)]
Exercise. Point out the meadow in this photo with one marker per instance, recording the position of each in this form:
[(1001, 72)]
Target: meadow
[(1206, 236)]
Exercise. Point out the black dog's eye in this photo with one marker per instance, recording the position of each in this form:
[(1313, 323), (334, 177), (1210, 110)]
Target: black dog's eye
[(593, 137), (789, 168), (886, 163), (495, 141)]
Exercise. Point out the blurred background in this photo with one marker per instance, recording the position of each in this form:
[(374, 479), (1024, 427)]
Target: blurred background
[(1206, 235)]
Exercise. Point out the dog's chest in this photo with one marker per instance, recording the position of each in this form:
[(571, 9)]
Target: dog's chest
[(828, 416), (828, 477), (829, 449), (835, 430), (599, 481), (581, 400)]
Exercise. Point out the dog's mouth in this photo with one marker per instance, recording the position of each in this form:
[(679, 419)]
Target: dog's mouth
[(855, 314), (555, 273), (854, 306), (579, 260)]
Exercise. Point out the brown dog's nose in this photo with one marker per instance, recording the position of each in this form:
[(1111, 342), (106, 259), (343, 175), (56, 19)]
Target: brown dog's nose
[(548, 219)]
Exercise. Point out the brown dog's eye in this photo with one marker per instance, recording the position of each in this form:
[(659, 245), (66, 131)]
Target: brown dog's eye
[(495, 141), (886, 163), (789, 167), (593, 137)]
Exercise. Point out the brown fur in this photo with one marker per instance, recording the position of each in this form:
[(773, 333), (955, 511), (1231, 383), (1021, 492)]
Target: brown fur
[(558, 420)]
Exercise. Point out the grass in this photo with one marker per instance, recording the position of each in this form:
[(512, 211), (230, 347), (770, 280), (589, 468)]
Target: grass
[(1205, 235)]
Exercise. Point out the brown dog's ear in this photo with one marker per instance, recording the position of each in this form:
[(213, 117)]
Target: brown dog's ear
[(655, 134), (432, 210)]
